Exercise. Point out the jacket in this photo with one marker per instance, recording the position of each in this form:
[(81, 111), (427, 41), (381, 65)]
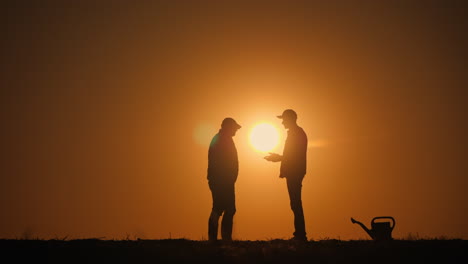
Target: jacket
[(223, 163), (294, 161)]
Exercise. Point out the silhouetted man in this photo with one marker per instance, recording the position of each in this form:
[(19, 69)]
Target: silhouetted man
[(223, 167), (293, 168)]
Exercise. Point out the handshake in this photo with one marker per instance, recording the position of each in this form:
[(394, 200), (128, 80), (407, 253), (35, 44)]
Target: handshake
[(273, 157)]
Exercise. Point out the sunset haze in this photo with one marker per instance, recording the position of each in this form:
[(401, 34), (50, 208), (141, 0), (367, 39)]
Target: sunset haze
[(108, 109)]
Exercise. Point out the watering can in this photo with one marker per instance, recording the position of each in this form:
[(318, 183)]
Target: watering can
[(381, 231)]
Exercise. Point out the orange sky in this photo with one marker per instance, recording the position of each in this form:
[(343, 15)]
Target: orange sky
[(107, 109)]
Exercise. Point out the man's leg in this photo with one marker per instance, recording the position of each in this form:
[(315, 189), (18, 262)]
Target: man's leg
[(226, 226), (213, 226), (216, 212), (228, 217), (295, 190)]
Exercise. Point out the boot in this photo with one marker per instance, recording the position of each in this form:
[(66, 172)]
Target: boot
[(226, 227), (213, 226)]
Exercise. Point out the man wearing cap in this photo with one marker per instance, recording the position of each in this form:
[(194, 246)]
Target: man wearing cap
[(223, 167), (293, 168)]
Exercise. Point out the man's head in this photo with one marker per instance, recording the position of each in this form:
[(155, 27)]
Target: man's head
[(289, 117), (230, 126)]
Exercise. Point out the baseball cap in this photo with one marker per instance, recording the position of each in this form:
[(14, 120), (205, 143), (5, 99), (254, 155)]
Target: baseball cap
[(288, 114), (230, 122)]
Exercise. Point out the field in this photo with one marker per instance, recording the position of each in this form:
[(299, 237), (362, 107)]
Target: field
[(272, 251)]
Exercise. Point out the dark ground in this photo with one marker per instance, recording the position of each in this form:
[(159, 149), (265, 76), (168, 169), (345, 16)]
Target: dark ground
[(273, 251)]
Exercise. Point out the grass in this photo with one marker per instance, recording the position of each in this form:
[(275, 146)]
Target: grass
[(96, 250)]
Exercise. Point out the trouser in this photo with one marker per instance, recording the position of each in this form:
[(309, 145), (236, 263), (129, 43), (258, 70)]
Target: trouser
[(295, 189), (223, 205)]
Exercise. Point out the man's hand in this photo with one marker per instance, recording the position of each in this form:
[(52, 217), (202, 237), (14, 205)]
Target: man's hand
[(273, 157)]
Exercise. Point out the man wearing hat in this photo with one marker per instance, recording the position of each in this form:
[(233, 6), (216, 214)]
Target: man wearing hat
[(293, 168), (223, 167)]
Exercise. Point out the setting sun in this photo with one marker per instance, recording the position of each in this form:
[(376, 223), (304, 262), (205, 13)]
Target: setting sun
[(264, 137)]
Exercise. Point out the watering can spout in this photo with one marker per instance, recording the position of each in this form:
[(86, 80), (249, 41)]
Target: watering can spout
[(371, 234)]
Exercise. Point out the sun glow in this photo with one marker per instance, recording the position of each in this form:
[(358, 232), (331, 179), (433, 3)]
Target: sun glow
[(264, 137)]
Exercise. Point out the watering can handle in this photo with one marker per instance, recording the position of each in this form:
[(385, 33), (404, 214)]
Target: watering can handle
[(385, 217)]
